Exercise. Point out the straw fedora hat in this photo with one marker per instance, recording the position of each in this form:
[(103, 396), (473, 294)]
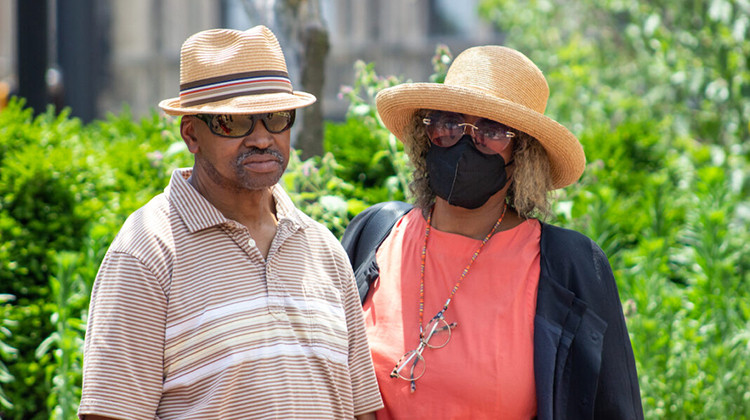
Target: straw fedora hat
[(225, 71), (496, 83)]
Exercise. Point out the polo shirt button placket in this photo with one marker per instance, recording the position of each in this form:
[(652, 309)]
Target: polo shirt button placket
[(252, 251), (242, 235), (275, 296)]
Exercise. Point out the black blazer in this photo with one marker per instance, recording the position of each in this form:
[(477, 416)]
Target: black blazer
[(583, 362)]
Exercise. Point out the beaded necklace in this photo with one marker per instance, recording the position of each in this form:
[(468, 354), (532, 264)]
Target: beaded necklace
[(463, 274)]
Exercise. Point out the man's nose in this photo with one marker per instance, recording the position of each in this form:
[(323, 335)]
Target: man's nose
[(260, 137)]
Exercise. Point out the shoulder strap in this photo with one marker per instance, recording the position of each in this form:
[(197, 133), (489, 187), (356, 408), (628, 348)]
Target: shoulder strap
[(363, 237)]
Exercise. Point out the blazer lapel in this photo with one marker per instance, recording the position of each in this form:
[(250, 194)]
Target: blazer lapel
[(553, 305), (567, 352)]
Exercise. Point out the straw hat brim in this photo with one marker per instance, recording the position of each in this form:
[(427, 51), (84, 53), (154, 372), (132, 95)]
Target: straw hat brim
[(247, 104), (397, 106)]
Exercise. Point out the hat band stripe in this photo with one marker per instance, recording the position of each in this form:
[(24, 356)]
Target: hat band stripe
[(218, 90), (229, 78)]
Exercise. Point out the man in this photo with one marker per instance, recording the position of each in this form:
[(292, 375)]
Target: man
[(219, 299)]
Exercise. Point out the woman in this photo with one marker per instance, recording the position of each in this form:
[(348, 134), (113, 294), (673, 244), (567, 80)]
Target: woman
[(482, 310)]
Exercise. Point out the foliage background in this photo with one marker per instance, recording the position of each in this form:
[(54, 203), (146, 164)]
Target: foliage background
[(657, 94)]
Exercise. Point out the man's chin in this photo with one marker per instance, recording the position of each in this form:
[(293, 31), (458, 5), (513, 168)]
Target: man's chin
[(260, 182)]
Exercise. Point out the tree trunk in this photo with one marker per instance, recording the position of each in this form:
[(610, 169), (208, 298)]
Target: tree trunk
[(312, 64), (301, 31)]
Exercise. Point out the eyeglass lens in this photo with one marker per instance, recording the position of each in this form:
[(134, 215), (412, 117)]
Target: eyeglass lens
[(437, 333), (228, 125), (444, 129), (412, 365)]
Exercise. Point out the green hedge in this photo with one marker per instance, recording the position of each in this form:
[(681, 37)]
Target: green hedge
[(65, 188)]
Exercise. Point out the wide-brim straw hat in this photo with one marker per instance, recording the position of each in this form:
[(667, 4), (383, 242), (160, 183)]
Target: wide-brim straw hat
[(225, 71), (497, 83)]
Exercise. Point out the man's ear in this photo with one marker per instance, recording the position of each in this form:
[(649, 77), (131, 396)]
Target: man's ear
[(188, 132)]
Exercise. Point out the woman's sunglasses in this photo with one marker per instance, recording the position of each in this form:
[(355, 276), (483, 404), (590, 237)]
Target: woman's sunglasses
[(444, 129), (241, 125)]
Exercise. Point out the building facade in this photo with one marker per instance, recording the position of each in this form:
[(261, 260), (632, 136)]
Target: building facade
[(138, 42)]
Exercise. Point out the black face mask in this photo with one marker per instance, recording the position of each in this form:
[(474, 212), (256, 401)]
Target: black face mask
[(464, 176)]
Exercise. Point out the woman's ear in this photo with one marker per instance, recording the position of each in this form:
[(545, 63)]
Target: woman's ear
[(188, 133)]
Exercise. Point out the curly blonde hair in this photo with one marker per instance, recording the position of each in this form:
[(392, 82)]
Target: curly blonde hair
[(530, 183)]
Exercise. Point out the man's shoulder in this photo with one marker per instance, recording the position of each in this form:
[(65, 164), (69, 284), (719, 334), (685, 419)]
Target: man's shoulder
[(150, 224), (314, 227), (320, 236), (155, 210)]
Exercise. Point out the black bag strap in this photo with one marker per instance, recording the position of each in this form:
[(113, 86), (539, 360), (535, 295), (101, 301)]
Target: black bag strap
[(363, 237)]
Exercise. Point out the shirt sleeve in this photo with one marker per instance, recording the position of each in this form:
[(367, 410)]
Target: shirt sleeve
[(124, 346), (365, 391)]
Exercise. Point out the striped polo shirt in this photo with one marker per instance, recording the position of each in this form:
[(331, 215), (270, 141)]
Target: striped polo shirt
[(189, 321)]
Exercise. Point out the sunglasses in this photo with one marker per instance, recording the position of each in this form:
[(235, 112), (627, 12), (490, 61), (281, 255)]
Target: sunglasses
[(444, 129), (241, 125)]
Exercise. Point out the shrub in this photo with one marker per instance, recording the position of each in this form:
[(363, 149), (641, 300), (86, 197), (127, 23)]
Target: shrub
[(64, 188), (367, 155)]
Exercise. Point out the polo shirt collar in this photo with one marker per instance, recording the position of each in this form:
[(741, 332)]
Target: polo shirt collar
[(198, 213)]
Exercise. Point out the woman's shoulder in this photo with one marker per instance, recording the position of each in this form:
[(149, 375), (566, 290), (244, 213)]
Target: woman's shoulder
[(559, 239), (576, 262), (563, 249)]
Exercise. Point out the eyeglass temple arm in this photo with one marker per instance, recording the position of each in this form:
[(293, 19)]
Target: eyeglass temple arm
[(417, 353)]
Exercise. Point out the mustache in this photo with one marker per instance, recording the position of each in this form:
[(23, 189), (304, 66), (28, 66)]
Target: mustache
[(256, 151)]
